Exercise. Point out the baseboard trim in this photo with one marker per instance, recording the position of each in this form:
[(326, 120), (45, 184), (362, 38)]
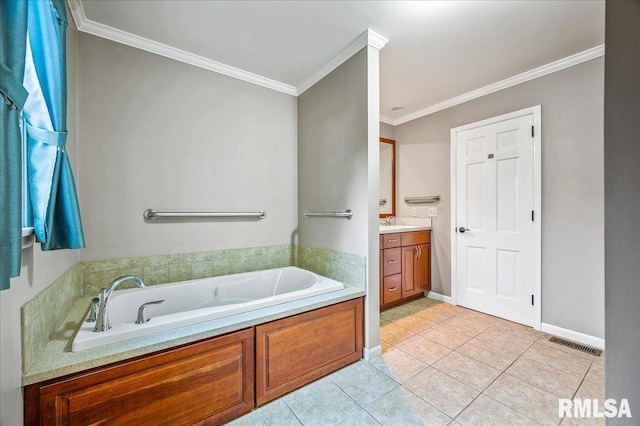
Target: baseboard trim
[(438, 296), (373, 353), (576, 336)]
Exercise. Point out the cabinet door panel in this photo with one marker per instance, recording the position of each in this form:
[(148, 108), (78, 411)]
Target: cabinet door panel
[(423, 267), (409, 287), (207, 382), (297, 350)]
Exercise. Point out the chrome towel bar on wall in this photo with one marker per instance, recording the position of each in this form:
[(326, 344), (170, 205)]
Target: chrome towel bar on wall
[(151, 214), (422, 200), (347, 214)]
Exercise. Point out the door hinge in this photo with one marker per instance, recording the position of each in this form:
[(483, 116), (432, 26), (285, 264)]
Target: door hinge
[(532, 300), (533, 216), (532, 132)]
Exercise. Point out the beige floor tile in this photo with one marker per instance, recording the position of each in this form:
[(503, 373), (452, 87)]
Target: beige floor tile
[(443, 392), (465, 325), (505, 341), (519, 330), (485, 411), (385, 346), (478, 317), (392, 314), (545, 341), (558, 359), (414, 323), (487, 353), (445, 336), (559, 383), (393, 334), (402, 407), (588, 390), (595, 373), (578, 421), (467, 370), (591, 390), (423, 349), (433, 315), (398, 365), (526, 399), (448, 309)]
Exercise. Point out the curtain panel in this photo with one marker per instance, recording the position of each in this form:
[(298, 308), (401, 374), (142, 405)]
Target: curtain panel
[(54, 202), (13, 38)]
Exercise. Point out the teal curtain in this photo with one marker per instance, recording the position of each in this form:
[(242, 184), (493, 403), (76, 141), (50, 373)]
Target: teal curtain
[(56, 215), (13, 37)]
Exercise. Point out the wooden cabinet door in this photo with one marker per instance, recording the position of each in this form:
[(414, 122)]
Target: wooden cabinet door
[(297, 350), (409, 284), (207, 382), (423, 267)]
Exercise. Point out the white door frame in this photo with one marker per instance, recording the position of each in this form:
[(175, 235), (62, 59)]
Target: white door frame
[(537, 203)]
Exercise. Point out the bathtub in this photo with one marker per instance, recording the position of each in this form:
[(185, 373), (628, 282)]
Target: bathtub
[(191, 302)]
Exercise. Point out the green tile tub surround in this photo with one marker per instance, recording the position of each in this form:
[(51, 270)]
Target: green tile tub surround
[(181, 267), (347, 268), (42, 316)]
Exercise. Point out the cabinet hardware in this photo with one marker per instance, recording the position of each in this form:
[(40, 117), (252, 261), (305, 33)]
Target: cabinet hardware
[(393, 288), (392, 240), (393, 261)]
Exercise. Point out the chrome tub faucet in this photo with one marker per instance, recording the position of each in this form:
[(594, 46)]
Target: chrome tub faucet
[(102, 321)]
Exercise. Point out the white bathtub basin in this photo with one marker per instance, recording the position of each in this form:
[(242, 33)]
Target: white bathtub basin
[(195, 301)]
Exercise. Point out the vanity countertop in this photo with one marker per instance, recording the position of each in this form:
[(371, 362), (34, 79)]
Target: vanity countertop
[(389, 229)]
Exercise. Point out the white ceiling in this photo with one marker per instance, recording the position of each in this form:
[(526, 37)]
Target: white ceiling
[(437, 50)]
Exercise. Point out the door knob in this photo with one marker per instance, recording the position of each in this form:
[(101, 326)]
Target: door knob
[(462, 229)]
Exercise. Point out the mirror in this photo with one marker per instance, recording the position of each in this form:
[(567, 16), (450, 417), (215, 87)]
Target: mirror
[(387, 177)]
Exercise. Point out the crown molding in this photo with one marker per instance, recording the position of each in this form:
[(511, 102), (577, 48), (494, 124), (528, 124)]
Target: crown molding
[(367, 38), (387, 120), (569, 61), (95, 28)]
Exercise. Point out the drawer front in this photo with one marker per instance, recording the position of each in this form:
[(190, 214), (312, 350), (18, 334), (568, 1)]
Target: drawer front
[(391, 240), (415, 238), (391, 261), (392, 288)]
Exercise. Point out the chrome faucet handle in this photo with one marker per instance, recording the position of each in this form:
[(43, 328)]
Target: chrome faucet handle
[(142, 318), (93, 313)]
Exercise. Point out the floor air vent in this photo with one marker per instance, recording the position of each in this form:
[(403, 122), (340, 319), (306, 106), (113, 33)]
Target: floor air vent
[(576, 346)]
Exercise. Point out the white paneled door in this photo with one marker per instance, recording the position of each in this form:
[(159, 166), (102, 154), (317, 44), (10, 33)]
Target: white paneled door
[(494, 188)]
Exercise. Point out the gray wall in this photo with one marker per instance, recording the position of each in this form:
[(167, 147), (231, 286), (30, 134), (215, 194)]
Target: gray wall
[(39, 269), (338, 161), (572, 186), (157, 133), (387, 131), (332, 158), (622, 186)]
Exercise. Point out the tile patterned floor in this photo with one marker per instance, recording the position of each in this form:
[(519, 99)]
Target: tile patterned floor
[(446, 365)]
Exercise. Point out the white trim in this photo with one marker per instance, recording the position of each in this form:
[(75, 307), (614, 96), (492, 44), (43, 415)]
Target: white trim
[(569, 61), (373, 353), (438, 296), (387, 120), (536, 111), (576, 336), (95, 28), (367, 38)]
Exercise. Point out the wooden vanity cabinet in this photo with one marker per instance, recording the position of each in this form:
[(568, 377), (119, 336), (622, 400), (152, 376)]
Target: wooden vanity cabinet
[(207, 382), (406, 267)]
